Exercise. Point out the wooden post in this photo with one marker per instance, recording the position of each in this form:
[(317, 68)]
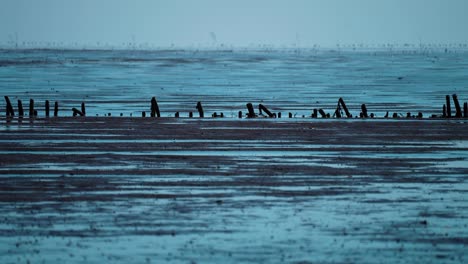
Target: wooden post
[(338, 112), (143, 114), (155, 108), (290, 115), (444, 111), (341, 101), (449, 112), (262, 107), (31, 108), (56, 109), (458, 113), (395, 115), (251, 111), (77, 112), (408, 115), (20, 108), (190, 114), (315, 114), (420, 115), (465, 109), (386, 115), (83, 109), (279, 114), (322, 113), (364, 111), (239, 114), (176, 115), (9, 108), (200, 110), (47, 108)]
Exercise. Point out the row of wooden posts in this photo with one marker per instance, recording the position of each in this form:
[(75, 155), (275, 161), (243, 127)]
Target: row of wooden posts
[(341, 110)]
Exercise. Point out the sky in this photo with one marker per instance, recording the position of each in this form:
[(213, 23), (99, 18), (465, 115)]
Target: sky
[(233, 22)]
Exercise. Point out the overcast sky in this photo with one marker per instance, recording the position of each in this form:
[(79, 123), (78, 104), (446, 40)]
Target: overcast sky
[(234, 22)]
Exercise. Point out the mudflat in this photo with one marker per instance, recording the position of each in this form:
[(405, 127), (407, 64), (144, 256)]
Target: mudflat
[(119, 189)]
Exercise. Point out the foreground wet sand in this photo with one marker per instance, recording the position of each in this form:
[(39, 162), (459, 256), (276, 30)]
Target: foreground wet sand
[(90, 190)]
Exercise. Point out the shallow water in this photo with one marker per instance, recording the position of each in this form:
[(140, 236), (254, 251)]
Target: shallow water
[(224, 81)]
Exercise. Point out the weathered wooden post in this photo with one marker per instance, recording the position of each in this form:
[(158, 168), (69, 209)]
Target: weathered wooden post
[(56, 109), (458, 113), (322, 113), (290, 115), (444, 111), (47, 108), (20, 109), (200, 110), (395, 115), (176, 115), (386, 115), (250, 109), (239, 115), (364, 111), (279, 114), (338, 111), (315, 114), (76, 112), (341, 101), (155, 108), (190, 114), (420, 115), (83, 109), (408, 115), (9, 108), (143, 114), (262, 107), (31, 108), (465, 109), (449, 112)]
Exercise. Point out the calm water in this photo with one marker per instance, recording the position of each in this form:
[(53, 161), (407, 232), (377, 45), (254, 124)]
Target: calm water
[(284, 80)]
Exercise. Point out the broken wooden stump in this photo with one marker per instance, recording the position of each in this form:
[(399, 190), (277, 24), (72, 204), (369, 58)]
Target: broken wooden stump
[(143, 114), (395, 115), (420, 115), (444, 111), (77, 112), (239, 114), (250, 109), (322, 113), (337, 112), (449, 112), (190, 115), (364, 111), (279, 114), (343, 105), (200, 110), (155, 108), (177, 115), (20, 109), (47, 110), (408, 115), (315, 113), (262, 107), (9, 108), (458, 112), (31, 108), (56, 109), (386, 115)]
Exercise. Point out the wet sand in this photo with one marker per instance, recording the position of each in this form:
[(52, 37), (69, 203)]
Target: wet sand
[(91, 190)]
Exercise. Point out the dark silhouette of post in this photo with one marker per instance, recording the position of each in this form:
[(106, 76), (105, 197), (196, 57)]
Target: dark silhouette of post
[(31, 108), (20, 109), (143, 114), (386, 115), (420, 115), (343, 105), (449, 112), (200, 110), (315, 113), (9, 108), (190, 114), (395, 115), (444, 111), (176, 115), (364, 111), (290, 115), (262, 107), (250, 109), (322, 113), (83, 109), (155, 108), (337, 111), (279, 114), (465, 109), (239, 115), (56, 109), (47, 108), (77, 112), (458, 113)]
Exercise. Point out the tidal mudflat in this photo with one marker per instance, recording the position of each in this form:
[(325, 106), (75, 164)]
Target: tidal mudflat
[(149, 190)]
